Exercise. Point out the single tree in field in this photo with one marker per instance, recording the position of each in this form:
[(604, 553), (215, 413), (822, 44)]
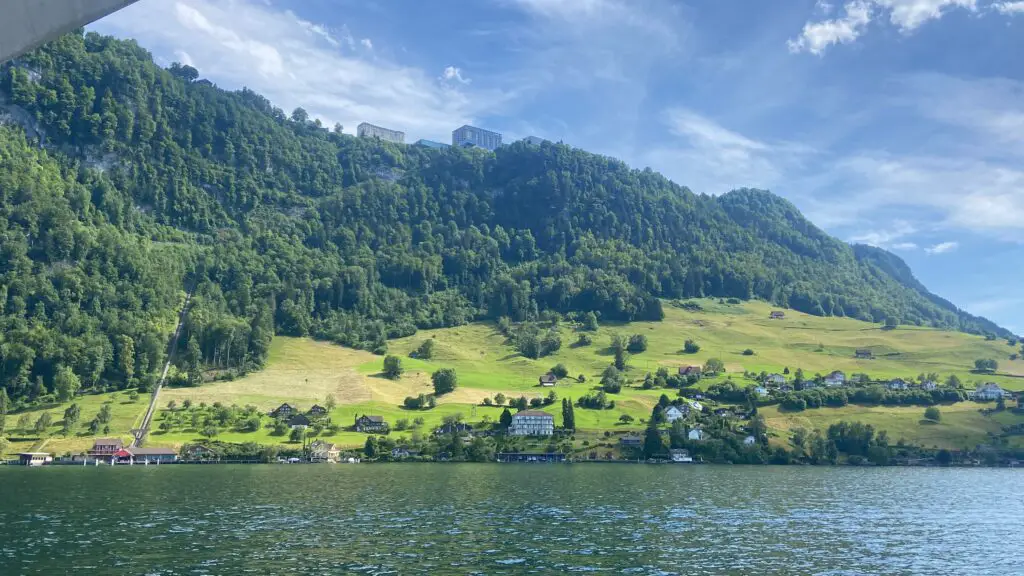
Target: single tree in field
[(499, 399), (426, 349), (66, 383), (932, 413), (330, 402), (568, 416), (691, 347), (714, 366), (370, 448), (444, 381), (393, 367), (625, 419)]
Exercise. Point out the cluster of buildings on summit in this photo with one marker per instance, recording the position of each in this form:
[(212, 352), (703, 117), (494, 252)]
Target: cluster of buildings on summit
[(464, 137)]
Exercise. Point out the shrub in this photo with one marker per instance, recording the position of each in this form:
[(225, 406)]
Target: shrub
[(426, 349), (444, 381), (691, 347), (748, 352), (393, 367), (584, 340), (559, 370), (932, 413), (637, 343)]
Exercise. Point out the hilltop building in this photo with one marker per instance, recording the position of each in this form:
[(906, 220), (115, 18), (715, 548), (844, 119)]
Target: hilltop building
[(532, 423), (473, 136), (367, 130), (431, 144)]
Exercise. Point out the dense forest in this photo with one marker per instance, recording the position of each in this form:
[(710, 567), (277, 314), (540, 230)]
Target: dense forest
[(124, 185)]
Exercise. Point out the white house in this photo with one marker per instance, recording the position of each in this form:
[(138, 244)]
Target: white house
[(674, 413), (776, 379), (897, 384), (836, 378), (532, 423), (929, 385), (696, 434), (989, 391), (761, 391), (749, 440)]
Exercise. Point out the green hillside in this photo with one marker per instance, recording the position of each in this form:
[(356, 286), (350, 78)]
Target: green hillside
[(304, 372)]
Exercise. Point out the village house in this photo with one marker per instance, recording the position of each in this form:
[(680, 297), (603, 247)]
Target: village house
[(105, 448), (929, 385), (680, 455), (317, 410), (631, 441), (532, 423), (673, 413), (863, 353), (34, 458), (777, 315), (760, 391), (785, 388), (775, 379), (548, 380), (401, 452), (453, 428), (199, 452), (695, 434), (896, 384), (836, 378), (282, 411), (153, 455), (298, 421), (749, 441), (371, 424), (690, 371), (322, 451), (989, 391)]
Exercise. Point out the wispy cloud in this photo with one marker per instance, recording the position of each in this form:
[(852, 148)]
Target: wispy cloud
[(454, 74), (295, 62), (942, 247), (1009, 8), (887, 237), (366, 43), (904, 246), (906, 15)]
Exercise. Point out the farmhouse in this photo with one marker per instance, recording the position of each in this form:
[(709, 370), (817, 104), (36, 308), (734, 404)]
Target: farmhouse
[(199, 452), (863, 353), (317, 410), (298, 421), (836, 378), (673, 413), (453, 428), (775, 379), (371, 424), (989, 391), (777, 315), (896, 384), (548, 380), (401, 452), (690, 371), (282, 411), (321, 451), (105, 448), (532, 423)]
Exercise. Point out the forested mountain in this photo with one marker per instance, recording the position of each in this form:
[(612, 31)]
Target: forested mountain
[(148, 182)]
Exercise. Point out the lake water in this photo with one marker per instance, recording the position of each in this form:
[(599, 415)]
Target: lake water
[(509, 519)]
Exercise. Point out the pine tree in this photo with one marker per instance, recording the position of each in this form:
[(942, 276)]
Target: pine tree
[(568, 416), (505, 419)]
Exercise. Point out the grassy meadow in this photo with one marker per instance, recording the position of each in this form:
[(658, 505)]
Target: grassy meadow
[(303, 372)]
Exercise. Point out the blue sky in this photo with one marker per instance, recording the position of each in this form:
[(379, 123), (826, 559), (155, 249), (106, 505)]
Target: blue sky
[(898, 123)]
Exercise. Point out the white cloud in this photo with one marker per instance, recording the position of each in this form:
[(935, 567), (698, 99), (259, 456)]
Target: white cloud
[(907, 15), (294, 63), (942, 247), (886, 238), (1009, 8), (454, 74), (366, 43), (817, 36), (183, 57)]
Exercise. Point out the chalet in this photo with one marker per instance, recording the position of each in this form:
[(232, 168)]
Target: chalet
[(679, 455), (532, 423), (548, 380), (321, 451), (34, 458), (298, 421), (199, 452), (317, 410), (836, 378), (399, 453), (371, 424), (929, 385), (153, 455), (453, 428), (695, 434), (673, 413), (785, 388), (775, 379), (989, 391), (896, 384), (631, 441), (760, 391), (105, 448), (282, 411), (749, 441), (776, 315), (691, 371), (863, 353)]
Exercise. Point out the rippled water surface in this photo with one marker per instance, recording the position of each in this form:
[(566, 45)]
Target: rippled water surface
[(509, 519)]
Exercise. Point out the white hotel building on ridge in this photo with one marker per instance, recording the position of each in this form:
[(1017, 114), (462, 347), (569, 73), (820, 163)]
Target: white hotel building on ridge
[(532, 423), (367, 130)]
